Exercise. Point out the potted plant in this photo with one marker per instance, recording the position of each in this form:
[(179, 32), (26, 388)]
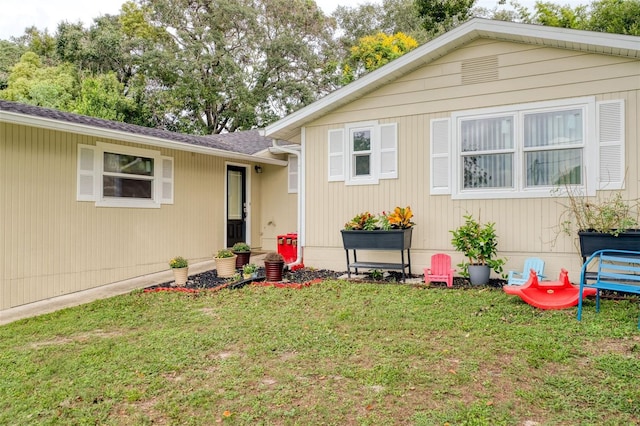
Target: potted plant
[(243, 251), (388, 231), (273, 265), (250, 270), (225, 263), (601, 222), (479, 245), (180, 267)]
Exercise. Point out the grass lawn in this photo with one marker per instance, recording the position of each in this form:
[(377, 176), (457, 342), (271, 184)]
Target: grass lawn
[(334, 353)]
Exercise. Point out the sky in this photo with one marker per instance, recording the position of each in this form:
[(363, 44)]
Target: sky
[(16, 15)]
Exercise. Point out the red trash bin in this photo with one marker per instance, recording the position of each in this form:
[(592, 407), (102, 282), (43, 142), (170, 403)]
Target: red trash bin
[(288, 247)]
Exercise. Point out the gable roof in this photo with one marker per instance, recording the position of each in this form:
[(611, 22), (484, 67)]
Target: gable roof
[(561, 38), (239, 145)]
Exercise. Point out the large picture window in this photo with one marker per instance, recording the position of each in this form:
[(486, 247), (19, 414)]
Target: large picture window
[(550, 144), (528, 150), (547, 151)]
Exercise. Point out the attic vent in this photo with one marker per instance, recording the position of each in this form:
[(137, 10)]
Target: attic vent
[(480, 70)]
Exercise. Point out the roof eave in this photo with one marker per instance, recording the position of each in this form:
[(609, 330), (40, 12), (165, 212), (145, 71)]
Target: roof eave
[(48, 123)]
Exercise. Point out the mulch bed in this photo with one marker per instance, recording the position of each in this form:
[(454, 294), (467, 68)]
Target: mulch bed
[(298, 278), (304, 277), (209, 280)]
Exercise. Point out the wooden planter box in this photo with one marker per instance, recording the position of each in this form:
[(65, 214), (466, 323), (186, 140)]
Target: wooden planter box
[(394, 239), (591, 242)]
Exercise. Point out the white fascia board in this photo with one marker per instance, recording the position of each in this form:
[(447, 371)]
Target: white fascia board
[(285, 149), (598, 41), (47, 123), (629, 46)]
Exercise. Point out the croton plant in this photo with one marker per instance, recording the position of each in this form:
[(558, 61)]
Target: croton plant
[(399, 218)]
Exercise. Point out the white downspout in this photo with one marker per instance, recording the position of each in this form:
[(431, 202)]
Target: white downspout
[(301, 193)]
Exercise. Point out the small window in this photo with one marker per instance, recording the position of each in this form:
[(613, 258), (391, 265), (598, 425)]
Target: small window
[(361, 152), (127, 176), (119, 176)]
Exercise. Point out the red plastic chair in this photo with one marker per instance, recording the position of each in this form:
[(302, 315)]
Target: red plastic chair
[(440, 270)]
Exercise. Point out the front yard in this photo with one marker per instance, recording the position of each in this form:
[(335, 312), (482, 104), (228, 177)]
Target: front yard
[(331, 353)]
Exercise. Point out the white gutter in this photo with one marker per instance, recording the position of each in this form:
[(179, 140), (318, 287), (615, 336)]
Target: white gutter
[(301, 194), (48, 123)]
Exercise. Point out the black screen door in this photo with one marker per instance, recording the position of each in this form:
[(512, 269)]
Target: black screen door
[(236, 204)]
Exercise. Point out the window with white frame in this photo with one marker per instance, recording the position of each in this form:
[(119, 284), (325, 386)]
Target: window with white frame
[(529, 150), (127, 176), (121, 176), (363, 153)]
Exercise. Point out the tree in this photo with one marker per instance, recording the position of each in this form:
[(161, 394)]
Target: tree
[(372, 52), (39, 42), (503, 11), (554, 15), (111, 45), (32, 83), (10, 53), (71, 40), (227, 65), (615, 16), (102, 96), (390, 17), (441, 15), (612, 16)]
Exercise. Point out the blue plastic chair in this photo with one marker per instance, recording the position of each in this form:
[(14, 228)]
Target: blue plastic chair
[(519, 278)]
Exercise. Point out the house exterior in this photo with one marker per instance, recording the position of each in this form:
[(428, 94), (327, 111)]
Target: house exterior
[(86, 202), (491, 119)]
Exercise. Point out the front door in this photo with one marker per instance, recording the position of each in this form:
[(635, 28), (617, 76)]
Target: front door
[(236, 204)]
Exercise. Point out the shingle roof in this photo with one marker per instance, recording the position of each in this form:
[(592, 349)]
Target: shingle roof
[(248, 142)]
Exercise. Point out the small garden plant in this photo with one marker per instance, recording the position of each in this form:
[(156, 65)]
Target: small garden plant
[(607, 214), (224, 253), (241, 248), (178, 262), (479, 244), (249, 269), (273, 257)]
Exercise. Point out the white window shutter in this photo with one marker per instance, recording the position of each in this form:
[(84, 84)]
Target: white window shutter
[(389, 151), (293, 174), (610, 132), (166, 180), (87, 188), (440, 156), (336, 155)]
